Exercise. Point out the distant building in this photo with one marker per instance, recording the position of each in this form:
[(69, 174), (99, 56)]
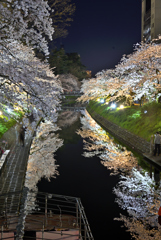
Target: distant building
[(151, 20)]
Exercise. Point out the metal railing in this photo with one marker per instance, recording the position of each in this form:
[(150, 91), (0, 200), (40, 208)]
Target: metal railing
[(48, 216), (71, 108), (72, 93)]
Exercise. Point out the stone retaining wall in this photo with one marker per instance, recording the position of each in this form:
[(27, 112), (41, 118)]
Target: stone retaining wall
[(133, 141)]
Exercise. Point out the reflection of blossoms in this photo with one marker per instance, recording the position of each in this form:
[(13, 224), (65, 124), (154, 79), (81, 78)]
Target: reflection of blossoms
[(69, 82), (67, 118), (136, 191), (138, 195), (41, 160), (139, 230), (99, 143)]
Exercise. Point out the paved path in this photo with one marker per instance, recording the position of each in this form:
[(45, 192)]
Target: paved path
[(154, 160), (12, 176)]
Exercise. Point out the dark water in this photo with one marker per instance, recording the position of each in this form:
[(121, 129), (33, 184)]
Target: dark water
[(89, 180)]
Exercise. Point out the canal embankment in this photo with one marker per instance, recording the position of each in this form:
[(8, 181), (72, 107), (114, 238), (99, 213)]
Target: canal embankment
[(133, 141)]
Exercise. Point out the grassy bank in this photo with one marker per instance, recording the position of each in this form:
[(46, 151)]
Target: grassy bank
[(142, 121), (7, 122)]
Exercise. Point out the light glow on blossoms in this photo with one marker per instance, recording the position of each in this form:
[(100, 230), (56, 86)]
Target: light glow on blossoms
[(9, 110), (137, 75), (43, 147), (27, 21), (113, 105), (121, 106), (102, 101), (28, 81)]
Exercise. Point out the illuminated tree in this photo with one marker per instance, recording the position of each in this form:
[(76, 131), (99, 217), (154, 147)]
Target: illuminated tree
[(26, 21), (41, 159), (138, 73), (26, 81), (69, 82)]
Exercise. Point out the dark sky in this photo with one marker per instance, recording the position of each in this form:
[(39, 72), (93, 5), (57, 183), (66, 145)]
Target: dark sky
[(103, 30)]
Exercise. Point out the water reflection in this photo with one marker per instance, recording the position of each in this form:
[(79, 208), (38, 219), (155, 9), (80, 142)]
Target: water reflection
[(137, 191), (97, 142), (68, 121), (67, 118)]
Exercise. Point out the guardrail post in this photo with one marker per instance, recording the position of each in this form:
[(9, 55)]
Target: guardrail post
[(6, 225), (46, 209), (80, 225), (77, 214), (151, 144), (2, 232), (22, 215), (85, 233), (43, 231)]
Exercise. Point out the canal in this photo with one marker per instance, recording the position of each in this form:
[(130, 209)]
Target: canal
[(88, 179)]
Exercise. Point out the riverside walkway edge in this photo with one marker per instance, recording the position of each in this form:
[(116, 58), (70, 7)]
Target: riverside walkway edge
[(134, 142), (13, 174)]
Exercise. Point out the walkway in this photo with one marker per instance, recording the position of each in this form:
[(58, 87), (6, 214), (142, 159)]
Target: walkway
[(13, 174), (74, 108)]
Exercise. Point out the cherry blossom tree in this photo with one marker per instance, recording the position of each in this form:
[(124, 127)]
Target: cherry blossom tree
[(69, 82), (41, 163), (41, 159), (138, 73), (103, 85), (24, 79), (26, 21), (27, 81)]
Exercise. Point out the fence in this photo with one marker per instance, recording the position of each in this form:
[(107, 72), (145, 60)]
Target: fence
[(40, 215), (70, 108)]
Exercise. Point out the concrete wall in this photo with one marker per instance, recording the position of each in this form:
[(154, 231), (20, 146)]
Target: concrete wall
[(133, 141)]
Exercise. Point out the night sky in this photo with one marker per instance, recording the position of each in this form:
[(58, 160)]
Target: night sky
[(102, 31)]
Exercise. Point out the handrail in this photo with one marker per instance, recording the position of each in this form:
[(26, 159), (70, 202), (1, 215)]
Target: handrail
[(87, 231), (59, 211)]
